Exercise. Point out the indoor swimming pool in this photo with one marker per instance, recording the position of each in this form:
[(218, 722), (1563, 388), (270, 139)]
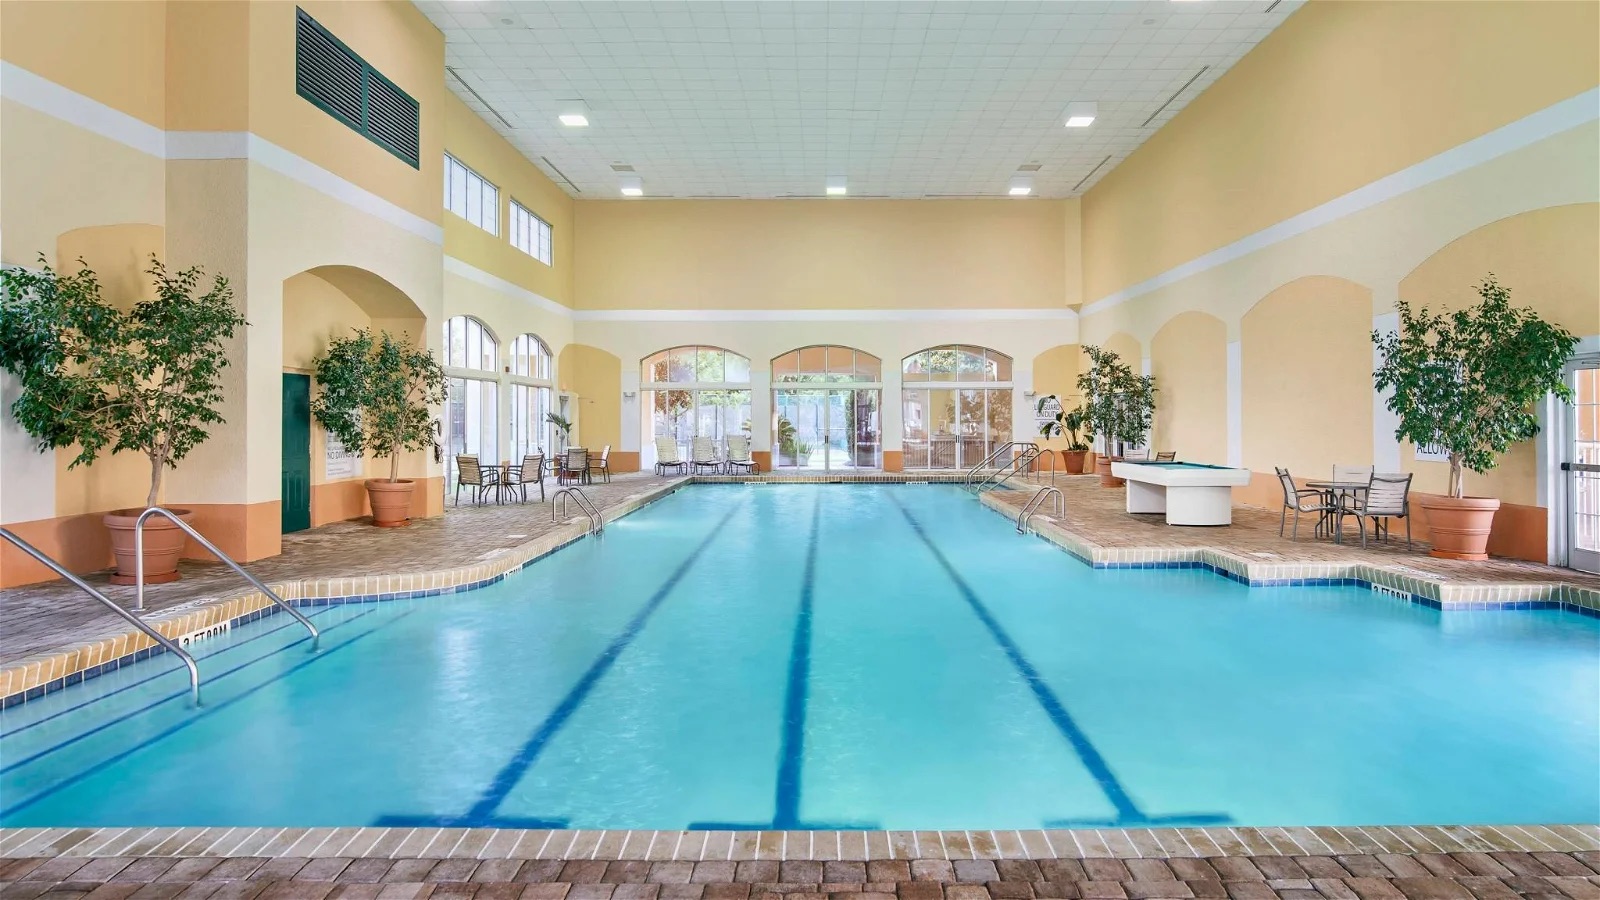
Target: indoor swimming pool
[(787, 657)]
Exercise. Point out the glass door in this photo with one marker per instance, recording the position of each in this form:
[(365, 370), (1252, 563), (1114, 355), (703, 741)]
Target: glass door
[(827, 428), (1581, 459)]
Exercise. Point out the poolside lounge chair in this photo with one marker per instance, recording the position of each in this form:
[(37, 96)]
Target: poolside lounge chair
[(1167, 456), (1386, 497), (470, 474), (739, 454), (532, 472), (705, 455), (602, 465), (667, 456), (1301, 500)]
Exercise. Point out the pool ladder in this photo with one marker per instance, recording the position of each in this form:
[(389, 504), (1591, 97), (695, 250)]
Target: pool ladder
[(597, 523), (162, 640), (1024, 461), (1036, 501)]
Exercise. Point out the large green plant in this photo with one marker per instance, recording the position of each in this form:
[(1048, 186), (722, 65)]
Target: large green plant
[(103, 379), (1467, 380), (376, 395), (1072, 424), (1117, 404)]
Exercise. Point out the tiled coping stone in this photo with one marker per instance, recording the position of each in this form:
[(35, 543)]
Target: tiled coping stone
[(493, 843), (1399, 581), (38, 675)]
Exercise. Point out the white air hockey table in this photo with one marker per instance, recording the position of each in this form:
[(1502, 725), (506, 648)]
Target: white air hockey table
[(1188, 493)]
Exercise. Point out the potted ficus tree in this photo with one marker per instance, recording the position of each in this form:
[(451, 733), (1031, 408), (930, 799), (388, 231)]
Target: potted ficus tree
[(376, 396), (106, 380), (1467, 381), (1118, 405), (1070, 424)]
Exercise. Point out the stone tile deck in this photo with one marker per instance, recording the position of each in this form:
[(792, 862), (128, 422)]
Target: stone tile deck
[(1479, 863), (1097, 527)]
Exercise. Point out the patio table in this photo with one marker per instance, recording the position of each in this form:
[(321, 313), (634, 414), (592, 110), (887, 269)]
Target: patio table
[(1336, 491)]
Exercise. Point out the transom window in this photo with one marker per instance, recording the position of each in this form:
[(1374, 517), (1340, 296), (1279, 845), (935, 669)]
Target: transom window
[(530, 357), (529, 233), (469, 345), (957, 363), (827, 364), (470, 196), (688, 366)]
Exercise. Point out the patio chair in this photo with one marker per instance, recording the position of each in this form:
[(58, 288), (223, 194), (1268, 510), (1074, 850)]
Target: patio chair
[(739, 454), (1386, 497), (532, 472), (575, 466), (1167, 456), (470, 474), (667, 456), (1141, 454), (1301, 500), (601, 465), (704, 455)]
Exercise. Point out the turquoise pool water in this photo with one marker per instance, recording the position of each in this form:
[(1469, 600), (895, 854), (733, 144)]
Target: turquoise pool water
[(792, 656)]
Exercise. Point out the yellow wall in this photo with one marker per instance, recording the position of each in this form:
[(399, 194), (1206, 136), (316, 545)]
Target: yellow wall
[(1338, 96), (1055, 371), (820, 254), (594, 378), (111, 50), (1189, 359)]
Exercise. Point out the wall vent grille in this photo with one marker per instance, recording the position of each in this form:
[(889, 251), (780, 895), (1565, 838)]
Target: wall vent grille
[(338, 81)]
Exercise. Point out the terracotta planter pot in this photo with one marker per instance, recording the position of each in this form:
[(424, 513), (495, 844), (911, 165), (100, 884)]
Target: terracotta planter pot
[(391, 501), (1102, 466), (1072, 461), (1459, 529), (163, 545)]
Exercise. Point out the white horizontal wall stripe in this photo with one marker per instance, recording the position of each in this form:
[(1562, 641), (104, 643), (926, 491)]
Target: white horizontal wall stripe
[(453, 266), (35, 92), (823, 315), (1531, 129)]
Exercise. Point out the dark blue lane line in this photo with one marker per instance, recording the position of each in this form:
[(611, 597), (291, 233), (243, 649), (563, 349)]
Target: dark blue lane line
[(199, 658), (16, 764), (518, 766), (791, 759), (202, 713), (1053, 707)]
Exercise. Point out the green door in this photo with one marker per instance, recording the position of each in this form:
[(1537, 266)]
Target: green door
[(296, 492)]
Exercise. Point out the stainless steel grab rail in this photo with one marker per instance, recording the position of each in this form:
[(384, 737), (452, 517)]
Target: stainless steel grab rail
[(1019, 463), (138, 567), (597, 523), (1035, 502), (1004, 449), (165, 642)]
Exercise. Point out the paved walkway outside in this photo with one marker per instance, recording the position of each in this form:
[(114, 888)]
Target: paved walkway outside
[(51, 615)]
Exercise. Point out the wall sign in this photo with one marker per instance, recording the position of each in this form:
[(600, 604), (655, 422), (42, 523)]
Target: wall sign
[(1045, 413), (338, 463)]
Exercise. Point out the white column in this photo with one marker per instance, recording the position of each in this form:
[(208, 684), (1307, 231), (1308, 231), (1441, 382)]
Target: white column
[(1235, 403), (1023, 427), (761, 407), (632, 423), (892, 412)]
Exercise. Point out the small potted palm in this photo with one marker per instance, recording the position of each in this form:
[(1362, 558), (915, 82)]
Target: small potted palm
[(1070, 424), (376, 395), (1467, 381), (1118, 405), (104, 380)]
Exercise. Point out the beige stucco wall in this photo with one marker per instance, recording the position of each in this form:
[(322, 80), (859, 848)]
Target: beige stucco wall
[(1189, 359)]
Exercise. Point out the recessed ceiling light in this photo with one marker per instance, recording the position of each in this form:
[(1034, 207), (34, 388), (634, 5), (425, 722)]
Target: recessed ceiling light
[(836, 186), (632, 186), (1021, 185), (574, 114), (1081, 114)]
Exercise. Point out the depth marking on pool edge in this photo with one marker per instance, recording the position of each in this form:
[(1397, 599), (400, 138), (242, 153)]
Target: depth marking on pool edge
[(1128, 812), (482, 813)]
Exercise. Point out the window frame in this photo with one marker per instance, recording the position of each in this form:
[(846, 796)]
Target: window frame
[(451, 160), (541, 244)]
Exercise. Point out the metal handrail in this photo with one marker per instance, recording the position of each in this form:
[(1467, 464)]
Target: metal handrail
[(597, 523), (1037, 500), (1046, 454), (138, 567), (1019, 463), (161, 639), (1004, 449)]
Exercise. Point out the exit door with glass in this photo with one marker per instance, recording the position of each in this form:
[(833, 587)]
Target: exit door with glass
[(1581, 466), (826, 404)]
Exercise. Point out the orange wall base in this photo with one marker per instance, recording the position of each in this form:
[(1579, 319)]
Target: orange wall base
[(336, 501), (1519, 532), (624, 461), (894, 460), (762, 459)]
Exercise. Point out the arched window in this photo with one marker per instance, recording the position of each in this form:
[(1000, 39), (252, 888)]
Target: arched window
[(530, 397), (956, 404), (694, 391), (826, 403), (472, 373)]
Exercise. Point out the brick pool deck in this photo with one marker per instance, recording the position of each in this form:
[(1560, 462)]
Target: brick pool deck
[(1480, 863)]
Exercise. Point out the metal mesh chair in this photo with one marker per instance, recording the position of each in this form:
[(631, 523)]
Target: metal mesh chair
[(1386, 497), (1136, 454), (471, 474), (1167, 456), (1301, 500), (667, 456), (532, 472), (576, 466), (602, 465)]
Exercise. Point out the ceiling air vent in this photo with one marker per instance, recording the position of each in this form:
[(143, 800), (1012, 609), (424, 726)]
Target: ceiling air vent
[(339, 82)]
